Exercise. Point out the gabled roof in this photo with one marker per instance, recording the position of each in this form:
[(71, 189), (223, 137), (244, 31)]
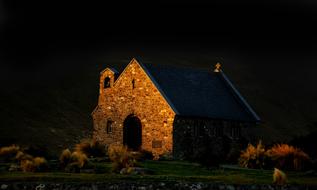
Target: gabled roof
[(200, 93)]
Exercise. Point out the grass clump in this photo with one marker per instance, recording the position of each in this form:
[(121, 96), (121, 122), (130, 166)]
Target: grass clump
[(8, 153), (37, 164), (282, 156), (23, 161), (253, 156), (91, 148), (64, 158), (121, 158), (279, 177), (73, 162), (288, 157)]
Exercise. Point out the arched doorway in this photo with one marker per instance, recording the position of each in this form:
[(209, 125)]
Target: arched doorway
[(132, 132)]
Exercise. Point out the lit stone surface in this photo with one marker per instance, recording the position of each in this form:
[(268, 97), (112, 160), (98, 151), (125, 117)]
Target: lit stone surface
[(144, 101)]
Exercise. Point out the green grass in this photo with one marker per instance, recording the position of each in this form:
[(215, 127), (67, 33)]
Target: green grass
[(164, 171)]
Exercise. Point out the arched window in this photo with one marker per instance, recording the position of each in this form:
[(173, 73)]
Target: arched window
[(109, 126), (106, 82)]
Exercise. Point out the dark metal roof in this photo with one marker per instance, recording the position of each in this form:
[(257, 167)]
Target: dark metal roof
[(202, 93)]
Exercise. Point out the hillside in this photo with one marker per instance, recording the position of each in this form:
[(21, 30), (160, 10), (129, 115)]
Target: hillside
[(51, 106)]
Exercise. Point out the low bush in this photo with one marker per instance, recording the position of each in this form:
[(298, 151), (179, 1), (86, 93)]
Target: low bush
[(279, 177), (288, 157), (73, 162), (79, 158), (253, 156), (8, 153), (27, 166), (91, 148), (64, 158), (37, 164), (121, 158)]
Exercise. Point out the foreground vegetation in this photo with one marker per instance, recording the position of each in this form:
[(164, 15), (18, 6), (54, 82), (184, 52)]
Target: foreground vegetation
[(164, 171), (89, 161)]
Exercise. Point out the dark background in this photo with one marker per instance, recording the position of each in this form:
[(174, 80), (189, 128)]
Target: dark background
[(51, 53)]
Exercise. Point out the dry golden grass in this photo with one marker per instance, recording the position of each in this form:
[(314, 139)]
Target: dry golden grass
[(279, 177), (91, 148), (64, 158), (288, 157), (27, 166), (30, 164), (253, 157), (40, 162), (120, 157), (9, 150), (79, 158), (23, 156), (73, 162)]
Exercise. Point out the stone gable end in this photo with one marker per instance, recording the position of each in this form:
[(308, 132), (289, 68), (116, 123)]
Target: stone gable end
[(133, 93)]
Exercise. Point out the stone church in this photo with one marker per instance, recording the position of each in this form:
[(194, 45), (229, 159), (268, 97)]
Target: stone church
[(153, 107)]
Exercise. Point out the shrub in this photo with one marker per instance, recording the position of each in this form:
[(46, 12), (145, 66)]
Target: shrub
[(91, 148), (120, 157), (73, 162), (79, 158), (40, 163), (288, 157), (253, 157), (64, 158), (27, 162), (279, 177), (27, 166), (30, 164), (23, 156), (9, 152)]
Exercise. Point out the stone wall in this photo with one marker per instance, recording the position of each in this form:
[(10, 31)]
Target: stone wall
[(191, 135), (142, 100)]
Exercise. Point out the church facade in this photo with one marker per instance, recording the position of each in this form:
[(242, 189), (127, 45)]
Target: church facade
[(154, 108)]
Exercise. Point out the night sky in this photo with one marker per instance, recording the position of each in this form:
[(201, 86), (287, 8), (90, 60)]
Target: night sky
[(268, 48), (270, 36), (32, 31)]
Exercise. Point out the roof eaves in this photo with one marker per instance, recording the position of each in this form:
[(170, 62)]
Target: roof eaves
[(257, 118)]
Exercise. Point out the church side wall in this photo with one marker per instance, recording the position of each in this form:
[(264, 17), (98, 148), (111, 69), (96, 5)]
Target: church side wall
[(192, 133)]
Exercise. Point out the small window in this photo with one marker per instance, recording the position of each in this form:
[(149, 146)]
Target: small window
[(109, 126), (106, 83), (133, 83)]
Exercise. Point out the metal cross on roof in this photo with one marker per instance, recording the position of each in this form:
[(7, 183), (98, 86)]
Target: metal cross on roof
[(217, 67)]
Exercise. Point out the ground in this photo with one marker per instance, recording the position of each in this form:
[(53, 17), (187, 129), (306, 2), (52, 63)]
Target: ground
[(164, 171)]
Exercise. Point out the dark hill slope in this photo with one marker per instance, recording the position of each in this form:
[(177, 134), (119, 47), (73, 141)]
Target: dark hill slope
[(51, 106)]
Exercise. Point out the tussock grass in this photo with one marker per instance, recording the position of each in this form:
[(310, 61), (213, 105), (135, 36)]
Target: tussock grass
[(120, 158), (253, 156), (288, 157), (91, 148)]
